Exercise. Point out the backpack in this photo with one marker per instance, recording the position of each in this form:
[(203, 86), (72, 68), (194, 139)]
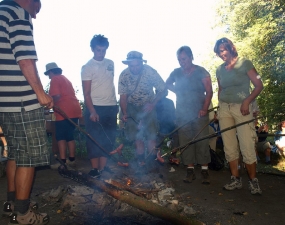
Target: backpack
[(217, 163)]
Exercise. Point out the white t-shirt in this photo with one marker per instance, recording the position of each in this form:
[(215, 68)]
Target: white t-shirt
[(102, 86)]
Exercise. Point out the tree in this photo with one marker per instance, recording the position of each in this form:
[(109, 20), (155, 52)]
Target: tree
[(257, 27)]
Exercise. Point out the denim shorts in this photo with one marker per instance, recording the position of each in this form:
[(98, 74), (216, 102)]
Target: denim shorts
[(64, 129), (26, 136)]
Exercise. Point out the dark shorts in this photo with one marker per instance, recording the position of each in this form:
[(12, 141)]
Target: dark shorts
[(262, 146), (26, 137), (64, 130), (104, 131)]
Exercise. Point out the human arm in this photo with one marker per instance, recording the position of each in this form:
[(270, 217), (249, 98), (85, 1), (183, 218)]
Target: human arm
[(55, 89), (150, 106), (123, 105), (86, 85), (170, 84), (263, 128), (219, 88), (258, 86), (29, 70), (155, 81), (209, 93)]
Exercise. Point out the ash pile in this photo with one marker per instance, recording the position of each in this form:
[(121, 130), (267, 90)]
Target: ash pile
[(91, 205)]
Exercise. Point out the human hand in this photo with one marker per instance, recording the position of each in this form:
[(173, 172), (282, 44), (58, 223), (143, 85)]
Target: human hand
[(202, 113), (244, 108), (45, 100), (94, 117), (125, 118)]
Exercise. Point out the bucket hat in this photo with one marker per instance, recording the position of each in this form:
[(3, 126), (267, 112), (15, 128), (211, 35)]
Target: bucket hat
[(51, 66)]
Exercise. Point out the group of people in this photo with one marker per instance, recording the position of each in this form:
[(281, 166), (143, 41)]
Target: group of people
[(22, 99)]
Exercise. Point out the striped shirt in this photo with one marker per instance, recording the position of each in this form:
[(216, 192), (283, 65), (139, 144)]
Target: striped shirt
[(16, 43)]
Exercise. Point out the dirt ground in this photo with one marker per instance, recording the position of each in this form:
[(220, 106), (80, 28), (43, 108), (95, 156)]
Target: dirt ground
[(213, 205)]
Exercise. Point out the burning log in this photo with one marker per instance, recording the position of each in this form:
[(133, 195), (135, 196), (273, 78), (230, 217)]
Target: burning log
[(131, 199), (146, 206), (139, 192), (125, 187)]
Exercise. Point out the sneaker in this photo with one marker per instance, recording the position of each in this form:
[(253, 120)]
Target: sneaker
[(234, 184), (190, 175), (95, 173), (71, 164), (8, 208), (31, 217), (268, 162), (253, 186), (205, 175)]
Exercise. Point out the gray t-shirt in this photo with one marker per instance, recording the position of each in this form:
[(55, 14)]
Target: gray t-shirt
[(101, 73), (190, 93), (235, 83)]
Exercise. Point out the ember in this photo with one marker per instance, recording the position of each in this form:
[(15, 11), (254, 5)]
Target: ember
[(129, 182)]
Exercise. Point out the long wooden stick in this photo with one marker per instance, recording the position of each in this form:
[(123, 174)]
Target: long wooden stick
[(176, 129), (212, 135), (89, 136)]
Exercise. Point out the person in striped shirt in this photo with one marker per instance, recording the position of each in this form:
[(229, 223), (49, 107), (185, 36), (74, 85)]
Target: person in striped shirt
[(22, 102)]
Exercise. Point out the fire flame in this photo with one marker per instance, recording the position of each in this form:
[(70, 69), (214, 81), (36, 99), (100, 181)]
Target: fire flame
[(129, 182)]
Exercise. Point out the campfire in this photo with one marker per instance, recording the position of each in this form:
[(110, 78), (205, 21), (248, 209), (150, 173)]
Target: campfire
[(138, 194)]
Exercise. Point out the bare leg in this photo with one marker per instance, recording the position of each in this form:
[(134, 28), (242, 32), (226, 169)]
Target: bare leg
[(62, 149), (71, 147), (11, 172), (234, 167), (95, 163), (267, 152), (23, 182), (102, 163), (251, 170)]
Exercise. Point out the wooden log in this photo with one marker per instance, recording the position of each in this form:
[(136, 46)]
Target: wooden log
[(138, 191), (123, 187), (131, 199), (145, 205)]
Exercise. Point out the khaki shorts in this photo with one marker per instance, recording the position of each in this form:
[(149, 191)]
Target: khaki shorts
[(141, 125), (230, 115), (26, 137)]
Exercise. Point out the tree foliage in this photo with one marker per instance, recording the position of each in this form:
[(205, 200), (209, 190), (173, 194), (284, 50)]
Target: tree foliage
[(257, 27)]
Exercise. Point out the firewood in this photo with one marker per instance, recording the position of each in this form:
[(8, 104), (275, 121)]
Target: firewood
[(131, 199), (145, 205)]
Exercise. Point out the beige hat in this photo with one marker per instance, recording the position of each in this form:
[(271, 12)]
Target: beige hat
[(51, 66), (133, 55)]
